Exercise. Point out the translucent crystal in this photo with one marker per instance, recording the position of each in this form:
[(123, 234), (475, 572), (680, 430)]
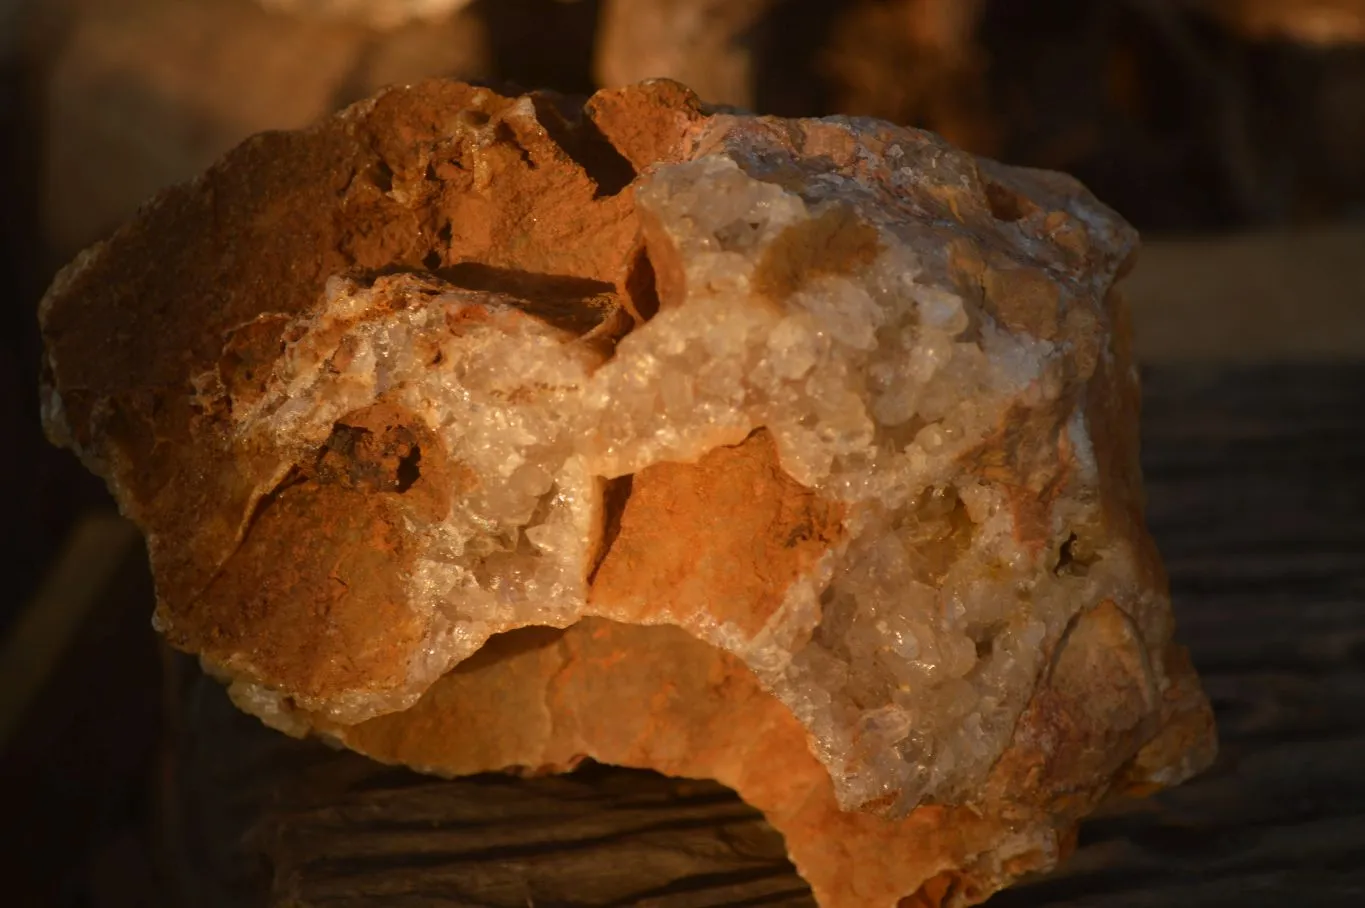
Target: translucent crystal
[(934, 620)]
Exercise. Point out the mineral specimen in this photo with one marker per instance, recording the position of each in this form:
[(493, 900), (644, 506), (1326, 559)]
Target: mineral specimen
[(478, 432)]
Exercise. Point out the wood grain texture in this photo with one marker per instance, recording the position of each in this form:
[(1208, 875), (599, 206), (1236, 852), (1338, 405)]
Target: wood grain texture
[(1257, 497), (256, 818)]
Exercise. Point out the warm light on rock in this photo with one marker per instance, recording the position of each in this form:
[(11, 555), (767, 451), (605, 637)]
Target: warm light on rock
[(480, 432)]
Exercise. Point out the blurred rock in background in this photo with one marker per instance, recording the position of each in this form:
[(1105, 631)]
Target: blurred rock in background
[(376, 13), (143, 93), (1183, 114), (914, 61), (706, 44), (1322, 22)]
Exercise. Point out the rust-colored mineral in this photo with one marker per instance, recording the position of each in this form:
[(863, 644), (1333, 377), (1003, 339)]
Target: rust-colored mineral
[(478, 432)]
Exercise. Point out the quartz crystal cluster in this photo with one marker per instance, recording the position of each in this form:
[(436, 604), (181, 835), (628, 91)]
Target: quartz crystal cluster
[(477, 432)]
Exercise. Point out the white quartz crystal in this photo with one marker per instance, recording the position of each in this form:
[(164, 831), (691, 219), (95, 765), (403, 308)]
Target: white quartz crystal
[(911, 654)]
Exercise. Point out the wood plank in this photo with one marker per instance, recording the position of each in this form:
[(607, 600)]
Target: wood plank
[(1251, 298), (332, 829)]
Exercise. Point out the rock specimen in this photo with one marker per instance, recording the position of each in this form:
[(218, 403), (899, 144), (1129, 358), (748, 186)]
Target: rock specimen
[(479, 432)]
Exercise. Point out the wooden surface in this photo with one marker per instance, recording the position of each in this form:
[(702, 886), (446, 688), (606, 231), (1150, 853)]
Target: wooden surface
[(257, 819), (1287, 295), (1257, 497)]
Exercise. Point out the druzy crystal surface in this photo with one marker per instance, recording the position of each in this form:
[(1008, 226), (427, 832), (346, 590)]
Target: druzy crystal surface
[(835, 421)]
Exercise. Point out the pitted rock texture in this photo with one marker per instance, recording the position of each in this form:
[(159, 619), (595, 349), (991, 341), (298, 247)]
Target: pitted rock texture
[(816, 438)]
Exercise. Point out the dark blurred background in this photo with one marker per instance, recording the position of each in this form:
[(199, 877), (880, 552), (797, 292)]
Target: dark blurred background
[(1198, 120)]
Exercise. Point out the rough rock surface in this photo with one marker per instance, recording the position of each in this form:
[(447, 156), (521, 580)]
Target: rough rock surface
[(816, 438)]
